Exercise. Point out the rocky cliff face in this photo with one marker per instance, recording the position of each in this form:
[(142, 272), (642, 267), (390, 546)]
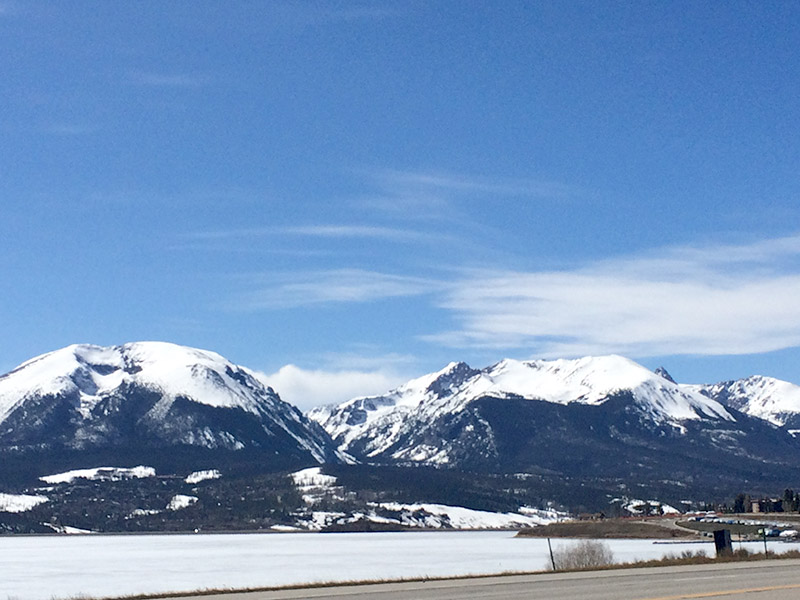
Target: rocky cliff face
[(767, 398)]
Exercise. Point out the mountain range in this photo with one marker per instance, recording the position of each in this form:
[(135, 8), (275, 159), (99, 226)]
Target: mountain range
[(396, 426), (594, 427), (767, 398), (605, 419)]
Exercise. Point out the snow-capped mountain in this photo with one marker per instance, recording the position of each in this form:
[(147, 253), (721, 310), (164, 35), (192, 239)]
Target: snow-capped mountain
[(370, 426), (514, 434), (149, 394), (603, 419), (352, 420), (767, 398)]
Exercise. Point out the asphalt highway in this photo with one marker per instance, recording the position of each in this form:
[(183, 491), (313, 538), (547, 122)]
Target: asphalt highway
[(763, 580)]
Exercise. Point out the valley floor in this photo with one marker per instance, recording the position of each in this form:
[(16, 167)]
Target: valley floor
[(55, 567)]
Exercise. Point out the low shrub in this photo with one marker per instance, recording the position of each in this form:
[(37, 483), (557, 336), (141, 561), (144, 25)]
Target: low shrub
[(586, 554)]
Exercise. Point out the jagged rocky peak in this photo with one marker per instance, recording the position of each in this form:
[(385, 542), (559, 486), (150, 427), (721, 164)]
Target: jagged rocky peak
[(767, 398), (445, 416), (352, 417), (450, 378), (588, 380), (661, 371)]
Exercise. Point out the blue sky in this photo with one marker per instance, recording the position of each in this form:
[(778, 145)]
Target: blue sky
[(347, 194)]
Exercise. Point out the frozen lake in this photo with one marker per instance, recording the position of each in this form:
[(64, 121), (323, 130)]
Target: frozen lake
[(50, 567)]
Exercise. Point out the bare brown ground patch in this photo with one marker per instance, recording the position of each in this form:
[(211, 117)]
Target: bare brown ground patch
[(611, 528)]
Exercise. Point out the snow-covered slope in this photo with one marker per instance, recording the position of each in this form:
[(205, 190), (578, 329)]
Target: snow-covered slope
[(154, 392), (352, 419), (94, 372), (377, 424), (319, 489), (770, 399), (591, 380), (17, 503), (101, 474)]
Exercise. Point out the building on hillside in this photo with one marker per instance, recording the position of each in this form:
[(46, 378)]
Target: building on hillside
[(767, 505)]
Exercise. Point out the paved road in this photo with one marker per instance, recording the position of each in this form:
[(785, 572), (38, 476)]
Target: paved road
[(765, 580)]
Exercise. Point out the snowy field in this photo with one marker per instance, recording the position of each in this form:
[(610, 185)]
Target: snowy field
[(53, 567)]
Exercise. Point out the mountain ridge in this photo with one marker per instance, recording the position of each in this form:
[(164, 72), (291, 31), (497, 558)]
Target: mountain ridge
[(768, 398), (572, 432), (602, 421), (588, 381), (150, 394)]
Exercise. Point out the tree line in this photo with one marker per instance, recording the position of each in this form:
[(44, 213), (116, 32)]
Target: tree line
[(745, 503)]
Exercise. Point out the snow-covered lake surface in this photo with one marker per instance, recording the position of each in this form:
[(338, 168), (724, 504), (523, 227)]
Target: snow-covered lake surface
[(52, 567)]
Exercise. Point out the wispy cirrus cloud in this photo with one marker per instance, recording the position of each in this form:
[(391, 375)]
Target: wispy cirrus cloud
[(769, 254), (358, 231), (316, 231), (435, 195), (463, 183), (168, 80), (326, 287), (704, 300), (711, 300), (367, 357), (324, 13)]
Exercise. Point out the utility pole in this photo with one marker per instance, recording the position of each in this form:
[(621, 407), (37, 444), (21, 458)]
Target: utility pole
[(552, 558)]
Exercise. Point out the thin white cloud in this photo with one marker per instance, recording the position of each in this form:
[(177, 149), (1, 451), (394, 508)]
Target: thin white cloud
[(243, 248), (307, 388), (368, 358), (460, 183), (167, 80), (367, 12), (335, 286), (704, 300), (359, 231), (318, 231), (769, 253), (325, 13), (439, 195)]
